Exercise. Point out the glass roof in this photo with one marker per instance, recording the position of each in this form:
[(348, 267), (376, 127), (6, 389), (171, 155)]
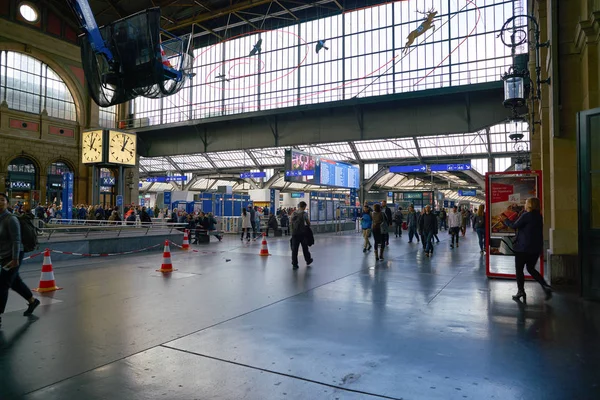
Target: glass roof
[(382, 149), (333, 151), (474, 147)]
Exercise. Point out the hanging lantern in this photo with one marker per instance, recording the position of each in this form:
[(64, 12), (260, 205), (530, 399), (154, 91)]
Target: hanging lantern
[(514, 89)]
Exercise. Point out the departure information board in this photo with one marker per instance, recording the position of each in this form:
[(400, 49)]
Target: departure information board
[(306, 168)]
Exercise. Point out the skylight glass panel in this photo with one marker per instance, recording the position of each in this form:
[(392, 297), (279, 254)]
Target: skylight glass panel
[(272, 156), (231, 159), (154, 164), (332, 151), (191, 162), (385, 149)]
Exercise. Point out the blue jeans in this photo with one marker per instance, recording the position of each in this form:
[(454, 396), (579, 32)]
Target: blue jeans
[(427, 237), (481, 236), (412, 231)]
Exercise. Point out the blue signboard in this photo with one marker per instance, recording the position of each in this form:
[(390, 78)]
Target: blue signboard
[(272, 193), (450, 167), (108, 181), (67, 196), (119, 201), (158, 179), (140, 185), (305, 172), (297, 195), (142, 202), (399, 169), (471, 193), (353, 194), (253, 175), (167, 198)]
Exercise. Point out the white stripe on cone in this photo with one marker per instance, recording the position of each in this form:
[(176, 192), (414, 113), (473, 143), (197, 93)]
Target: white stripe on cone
[(47, 276)]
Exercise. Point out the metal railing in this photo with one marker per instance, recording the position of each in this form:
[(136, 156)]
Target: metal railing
[(87, 227)]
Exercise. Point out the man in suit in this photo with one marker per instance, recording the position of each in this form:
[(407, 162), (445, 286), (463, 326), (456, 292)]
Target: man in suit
[(388, 213)]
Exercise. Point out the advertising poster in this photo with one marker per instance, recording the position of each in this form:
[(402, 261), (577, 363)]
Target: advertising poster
[(508, 195)]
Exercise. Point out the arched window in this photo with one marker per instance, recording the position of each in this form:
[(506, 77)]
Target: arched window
[(29, 85)]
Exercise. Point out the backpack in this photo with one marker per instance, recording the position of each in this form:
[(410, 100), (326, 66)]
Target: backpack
[(298, 223), (29, 232)]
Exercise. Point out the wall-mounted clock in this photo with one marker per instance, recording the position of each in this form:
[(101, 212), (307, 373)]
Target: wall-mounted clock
[(122, 148), (92, 146)]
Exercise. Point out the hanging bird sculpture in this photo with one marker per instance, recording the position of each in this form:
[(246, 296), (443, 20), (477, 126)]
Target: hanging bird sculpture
[(256, 48), (321, 45)]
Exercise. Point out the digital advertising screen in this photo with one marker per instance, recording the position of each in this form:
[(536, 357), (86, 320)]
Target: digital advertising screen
[(303, 167)]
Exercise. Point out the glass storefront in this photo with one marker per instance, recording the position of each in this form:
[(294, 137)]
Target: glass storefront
[(54, 182), (21, 182)]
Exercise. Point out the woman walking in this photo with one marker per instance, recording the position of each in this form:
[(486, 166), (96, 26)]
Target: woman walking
[(528, 246), (366, 225), (246, 225), (479, 226), (380, 229)]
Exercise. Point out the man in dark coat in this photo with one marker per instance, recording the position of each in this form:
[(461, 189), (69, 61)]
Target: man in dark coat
[(427, 228)]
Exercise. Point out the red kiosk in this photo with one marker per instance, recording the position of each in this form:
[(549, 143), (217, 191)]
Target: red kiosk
[(505, 196)]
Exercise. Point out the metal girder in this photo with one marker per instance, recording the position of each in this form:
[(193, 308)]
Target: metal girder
[(372, 180), (272, 180), (489, 142), (386, 182), (114, 5), (245, 20), (286, 9), (214, 182), (148, 188), (209, 30), (355, 151), (143, 168), (476, 176), (418, 149), (253, 184), (170, 161), (191, 182), (254, 160), (244, 5)]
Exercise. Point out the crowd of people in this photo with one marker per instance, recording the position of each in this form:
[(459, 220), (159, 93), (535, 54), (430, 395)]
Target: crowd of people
[(423, 226)]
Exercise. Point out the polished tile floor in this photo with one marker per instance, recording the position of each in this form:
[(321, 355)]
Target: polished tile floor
[(232, 325)]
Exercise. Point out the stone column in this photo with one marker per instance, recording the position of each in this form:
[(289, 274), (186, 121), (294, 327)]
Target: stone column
[(3, 175)]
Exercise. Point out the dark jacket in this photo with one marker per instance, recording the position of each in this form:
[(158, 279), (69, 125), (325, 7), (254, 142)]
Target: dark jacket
[(285, 220), (428, 223), (388, 214), (144, 217), (530, 233), (10, 236)]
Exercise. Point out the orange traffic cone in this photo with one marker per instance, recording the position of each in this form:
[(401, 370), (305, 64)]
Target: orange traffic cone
[(186, 241), (47, 282), (264, 251), (166, 266)]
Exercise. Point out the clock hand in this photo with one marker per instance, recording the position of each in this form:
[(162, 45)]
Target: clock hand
[(92, 143), (124, 144)]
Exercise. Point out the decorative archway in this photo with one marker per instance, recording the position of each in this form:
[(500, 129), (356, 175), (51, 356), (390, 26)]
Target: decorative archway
[(22, 181)]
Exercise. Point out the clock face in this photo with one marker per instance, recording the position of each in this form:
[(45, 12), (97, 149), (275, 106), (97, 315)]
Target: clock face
[(91, 147), (121, 148)]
